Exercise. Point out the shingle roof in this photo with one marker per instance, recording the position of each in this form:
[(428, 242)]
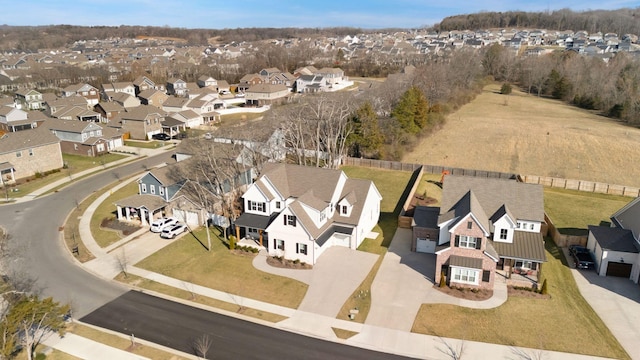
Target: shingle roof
[(629, 217), (614, 239), (151, 202), (426, 217), (467, 204), (526, 246), (295, 180), (26, 139), (525, 201)]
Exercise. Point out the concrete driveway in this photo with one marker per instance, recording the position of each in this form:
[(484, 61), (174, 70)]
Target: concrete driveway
[(617, 302), (336, 275)]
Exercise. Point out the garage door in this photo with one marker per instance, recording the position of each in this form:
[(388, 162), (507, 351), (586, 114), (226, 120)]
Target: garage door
[(619, 269), (425, 246), (188, 217)]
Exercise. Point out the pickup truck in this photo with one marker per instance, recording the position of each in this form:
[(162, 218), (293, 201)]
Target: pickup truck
[(583, 260)]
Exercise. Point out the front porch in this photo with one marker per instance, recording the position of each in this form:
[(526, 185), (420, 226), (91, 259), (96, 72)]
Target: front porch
[(518, 279), (142, 208)]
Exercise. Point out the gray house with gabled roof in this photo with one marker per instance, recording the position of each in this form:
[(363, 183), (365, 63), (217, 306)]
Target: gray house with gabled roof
[(616, 248)]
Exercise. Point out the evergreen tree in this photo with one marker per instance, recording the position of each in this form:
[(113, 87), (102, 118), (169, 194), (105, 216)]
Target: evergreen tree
[(367, 138), (412, 112)]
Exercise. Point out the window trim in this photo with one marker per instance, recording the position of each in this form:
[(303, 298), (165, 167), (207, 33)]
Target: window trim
[(504, 234), (461, 273), (279, 244), (467, 242), (301, 248), (143, 188)]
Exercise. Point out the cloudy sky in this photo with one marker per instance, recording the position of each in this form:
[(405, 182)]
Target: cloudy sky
[(215, 14)]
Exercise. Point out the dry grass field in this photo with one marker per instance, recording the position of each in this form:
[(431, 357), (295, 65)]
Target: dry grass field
[(533, 136)]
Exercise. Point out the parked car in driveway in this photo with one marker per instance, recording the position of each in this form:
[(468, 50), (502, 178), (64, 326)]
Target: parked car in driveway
[(576, 249), (160, 224), (161, 136), (172, 231), (583, 260)]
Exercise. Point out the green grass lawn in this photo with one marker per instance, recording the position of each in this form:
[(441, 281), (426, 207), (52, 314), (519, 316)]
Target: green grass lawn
[(393, 188), (564, 322), (106, 209), (428, 188), (572, 211), (187, 259), (75, 164)]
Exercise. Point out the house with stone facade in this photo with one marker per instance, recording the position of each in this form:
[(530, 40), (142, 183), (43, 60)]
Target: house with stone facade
[(26, 153), (486, 229)]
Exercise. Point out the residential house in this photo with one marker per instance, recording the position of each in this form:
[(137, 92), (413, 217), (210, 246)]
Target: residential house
[(143, 83), (298, 212), (205, 81), (12, 119), (310, 84), (616, 248), (266, 94), (176, 87), (250, 80), (152, 97), (26, 153), (90, 93), (223, 86), (126, 100), (108, 110), (84, 138), (29, 99), (175, 104), (141, 122), (484, 227), (109, 90)]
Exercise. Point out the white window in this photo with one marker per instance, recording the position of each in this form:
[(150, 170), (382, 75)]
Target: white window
[(30, 152), (75, 146), (161, 189), (469, 224), (279, 244), (290, 220), (343, 209), (467, 242), (19, 154), (144, 188), (518, 225), (525, 264), (277, 204), (153, 189), (256, 206), (503, 234), (532, 226), (301, 248), (466, 276)]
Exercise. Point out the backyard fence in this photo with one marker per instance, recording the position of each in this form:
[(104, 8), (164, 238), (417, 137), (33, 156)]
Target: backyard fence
[(582, 185), (562, 240), (405, 221)]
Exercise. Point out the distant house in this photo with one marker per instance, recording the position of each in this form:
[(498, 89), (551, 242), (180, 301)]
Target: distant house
[(82, 138), (141, 122), (266, 94), (108, 110), (298, 212), (143, 83), (176, 87), (90, 93), (484, 227), (152, 97), (126, 100), (616, 248), (12, 119), (310, 84), (250, 80), (204, 81), (29, 99), (26, 153), (109, 90), (175, 104)]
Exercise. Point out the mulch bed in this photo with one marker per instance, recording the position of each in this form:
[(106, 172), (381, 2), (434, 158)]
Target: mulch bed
[(419, 200), (526, 293), (287, 264), (114, 224), (466, 293)]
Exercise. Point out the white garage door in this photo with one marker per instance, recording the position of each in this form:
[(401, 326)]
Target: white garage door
[(425, 246), (188, 217), (341, 240)]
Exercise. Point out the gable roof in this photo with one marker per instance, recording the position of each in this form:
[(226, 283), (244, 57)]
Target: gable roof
[(629, 217), (468, 204), (295, 180), (524, 201), (614, 239), (20, 140)]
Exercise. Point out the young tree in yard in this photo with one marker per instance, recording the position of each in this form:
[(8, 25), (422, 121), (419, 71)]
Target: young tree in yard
[(412, 112), (28, 321), (367, 138)]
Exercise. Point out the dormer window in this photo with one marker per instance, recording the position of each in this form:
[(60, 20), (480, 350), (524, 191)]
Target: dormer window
[(343, 210), (503, 234), (470, 225)]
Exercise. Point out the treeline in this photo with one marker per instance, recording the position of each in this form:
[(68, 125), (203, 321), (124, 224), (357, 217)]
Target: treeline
[(622, 21), (32, 38), (612, 87)]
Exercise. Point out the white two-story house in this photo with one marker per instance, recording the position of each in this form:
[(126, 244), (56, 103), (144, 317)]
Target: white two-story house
[(298, 212)]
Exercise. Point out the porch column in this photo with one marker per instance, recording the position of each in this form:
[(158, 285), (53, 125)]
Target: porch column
[(149, 217), (127, 213), (237, 232), (260, 232), (119, 211), (13, 178)]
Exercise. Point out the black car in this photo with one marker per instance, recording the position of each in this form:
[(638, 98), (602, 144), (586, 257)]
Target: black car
[(577, 249), (161, 136), (583, 260)]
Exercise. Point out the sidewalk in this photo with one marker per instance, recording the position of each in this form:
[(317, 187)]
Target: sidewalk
[(375, 337)]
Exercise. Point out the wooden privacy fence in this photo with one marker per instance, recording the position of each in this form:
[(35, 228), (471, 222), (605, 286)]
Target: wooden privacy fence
[(582, 185), (405, 221)]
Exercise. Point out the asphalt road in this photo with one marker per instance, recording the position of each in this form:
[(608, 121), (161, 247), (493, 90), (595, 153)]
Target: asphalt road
[(178, 326), (40, 255), (33, 227)]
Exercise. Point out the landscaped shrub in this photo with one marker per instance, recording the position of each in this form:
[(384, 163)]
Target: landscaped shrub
[(506, 89), (543, 289), (232, 242)]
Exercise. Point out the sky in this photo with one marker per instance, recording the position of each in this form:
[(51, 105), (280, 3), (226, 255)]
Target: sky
[(216, 14)]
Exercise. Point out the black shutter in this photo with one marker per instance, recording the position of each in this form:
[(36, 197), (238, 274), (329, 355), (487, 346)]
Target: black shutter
[(457, 243), (285, 219), (297, 248), (294, 220), (478, 243), (486, 275), (275, 244)]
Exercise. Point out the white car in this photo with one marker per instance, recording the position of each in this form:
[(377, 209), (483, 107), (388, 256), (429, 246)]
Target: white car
[(171, 232), (159, 225)]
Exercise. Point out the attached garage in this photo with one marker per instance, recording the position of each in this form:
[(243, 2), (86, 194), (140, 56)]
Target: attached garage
[(619, 269), (425, 246), (188, 217)]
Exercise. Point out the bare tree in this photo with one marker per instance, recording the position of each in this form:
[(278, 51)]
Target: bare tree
[(454, 352), (122, 262), (201, 346), (521, 354)]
